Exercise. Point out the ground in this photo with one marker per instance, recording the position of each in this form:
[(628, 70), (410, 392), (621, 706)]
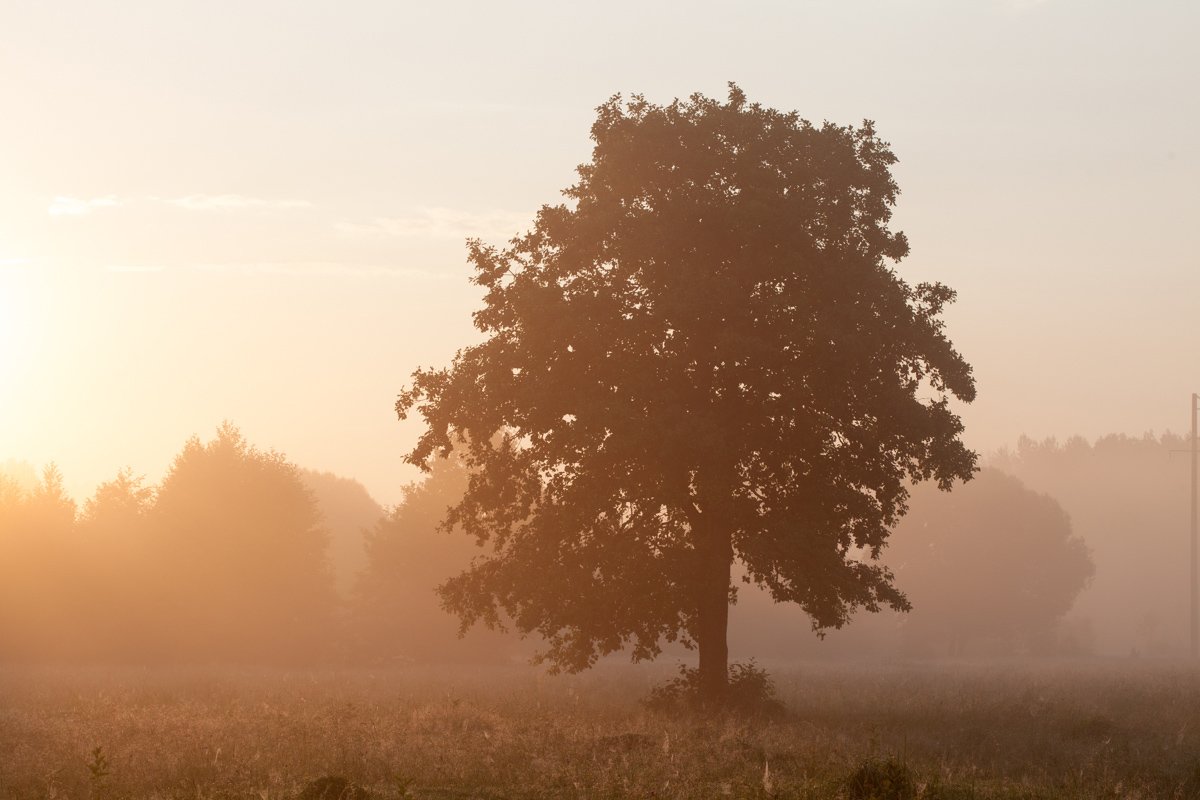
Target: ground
[(1016, 730)]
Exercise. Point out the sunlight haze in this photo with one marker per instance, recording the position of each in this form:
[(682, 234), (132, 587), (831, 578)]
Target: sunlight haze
[(256, 212)]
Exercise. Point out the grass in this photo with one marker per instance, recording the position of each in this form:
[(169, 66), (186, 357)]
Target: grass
[(966, 731)]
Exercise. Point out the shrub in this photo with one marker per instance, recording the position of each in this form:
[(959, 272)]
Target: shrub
[(751, 691), (882, 780)]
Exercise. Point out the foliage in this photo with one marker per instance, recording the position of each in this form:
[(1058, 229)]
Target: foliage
[(115, 543), (348, 512), (243, 549), (994, 560), (40, 563), (1127, 497), (118, 504), (750, 691), (706, 354), (99, 768), (225, 560), (396, 612), (966, 732), (886, 779)]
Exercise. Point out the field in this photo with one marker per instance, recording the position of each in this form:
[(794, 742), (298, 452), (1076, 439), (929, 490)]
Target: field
[(1082, 730)]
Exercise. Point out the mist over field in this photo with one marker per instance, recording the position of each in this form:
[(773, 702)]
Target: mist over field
[(997, 568), (643, 400)]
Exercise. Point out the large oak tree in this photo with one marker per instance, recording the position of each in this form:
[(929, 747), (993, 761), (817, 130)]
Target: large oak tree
[(704, 355)]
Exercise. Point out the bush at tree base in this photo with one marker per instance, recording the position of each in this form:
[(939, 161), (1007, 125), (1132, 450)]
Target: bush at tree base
[(751, 691)]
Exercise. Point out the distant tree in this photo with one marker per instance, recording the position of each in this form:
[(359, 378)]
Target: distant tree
[(14, 568), (245, 573), (12, 495), (706, 356), (397, 612), (1128, 497), (39, 568), (115, 544), (348, 511), (19, 473), (992, 561), (119, 504), (50, 505)]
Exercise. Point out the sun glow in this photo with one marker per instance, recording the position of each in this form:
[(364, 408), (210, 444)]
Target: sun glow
[(14, 314)]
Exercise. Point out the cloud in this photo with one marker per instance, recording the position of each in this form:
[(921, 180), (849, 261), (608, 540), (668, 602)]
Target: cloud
[(440, 223), (320, 268), (132, 268), (233, 202), (66, 206), (63, 206)]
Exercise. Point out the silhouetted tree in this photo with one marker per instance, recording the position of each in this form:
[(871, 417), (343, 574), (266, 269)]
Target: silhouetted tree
[(705, 356), (120, 503), (245, 573), (116, 542), (993, 560), (348, 511), (1128, 497), (39, 568), (50, 505), (20, 473), (396, 611)]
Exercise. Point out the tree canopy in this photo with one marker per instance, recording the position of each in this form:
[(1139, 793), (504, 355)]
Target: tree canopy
[(1128, 497), (396, 613), (348, 512), (225, 559), (993, 561), (244, 549), (705, 354)]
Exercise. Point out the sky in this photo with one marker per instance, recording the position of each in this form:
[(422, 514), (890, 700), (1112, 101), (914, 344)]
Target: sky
[(256, 211)]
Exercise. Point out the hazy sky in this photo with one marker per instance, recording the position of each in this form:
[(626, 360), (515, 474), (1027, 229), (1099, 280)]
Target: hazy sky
[(256, 210)]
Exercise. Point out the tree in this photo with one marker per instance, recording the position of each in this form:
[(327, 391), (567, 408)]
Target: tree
[(396, 612), (705, 355), (348, 511), (994, 561), (39, 568), (115, 543), (245, 572), (1128, 497)]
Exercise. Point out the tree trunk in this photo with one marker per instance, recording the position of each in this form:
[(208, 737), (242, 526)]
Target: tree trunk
[(716, 561)]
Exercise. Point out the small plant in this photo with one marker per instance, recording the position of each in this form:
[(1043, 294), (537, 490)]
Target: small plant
[(100, 769), (750, 691), (882, 780), (404, 785)]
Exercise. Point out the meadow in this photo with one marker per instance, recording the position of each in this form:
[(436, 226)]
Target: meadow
[(1127, 729)]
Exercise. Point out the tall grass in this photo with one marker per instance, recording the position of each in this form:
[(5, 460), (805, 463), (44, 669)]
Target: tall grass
[(1011, 731)]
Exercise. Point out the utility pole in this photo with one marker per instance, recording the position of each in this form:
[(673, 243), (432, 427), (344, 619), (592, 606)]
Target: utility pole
[(1195, 589)]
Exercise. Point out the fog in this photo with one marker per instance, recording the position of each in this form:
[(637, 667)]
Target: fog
[(471, 322), (1069, 549)]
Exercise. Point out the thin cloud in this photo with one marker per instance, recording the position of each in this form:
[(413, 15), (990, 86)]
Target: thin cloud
[(439, 223), (132, 268), (64, 206), (328, 268), (67, 206), (233, 202)]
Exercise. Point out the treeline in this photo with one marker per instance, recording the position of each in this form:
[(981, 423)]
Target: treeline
[(1129, 496), (229, 558), (239, 555), (992, 568)]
